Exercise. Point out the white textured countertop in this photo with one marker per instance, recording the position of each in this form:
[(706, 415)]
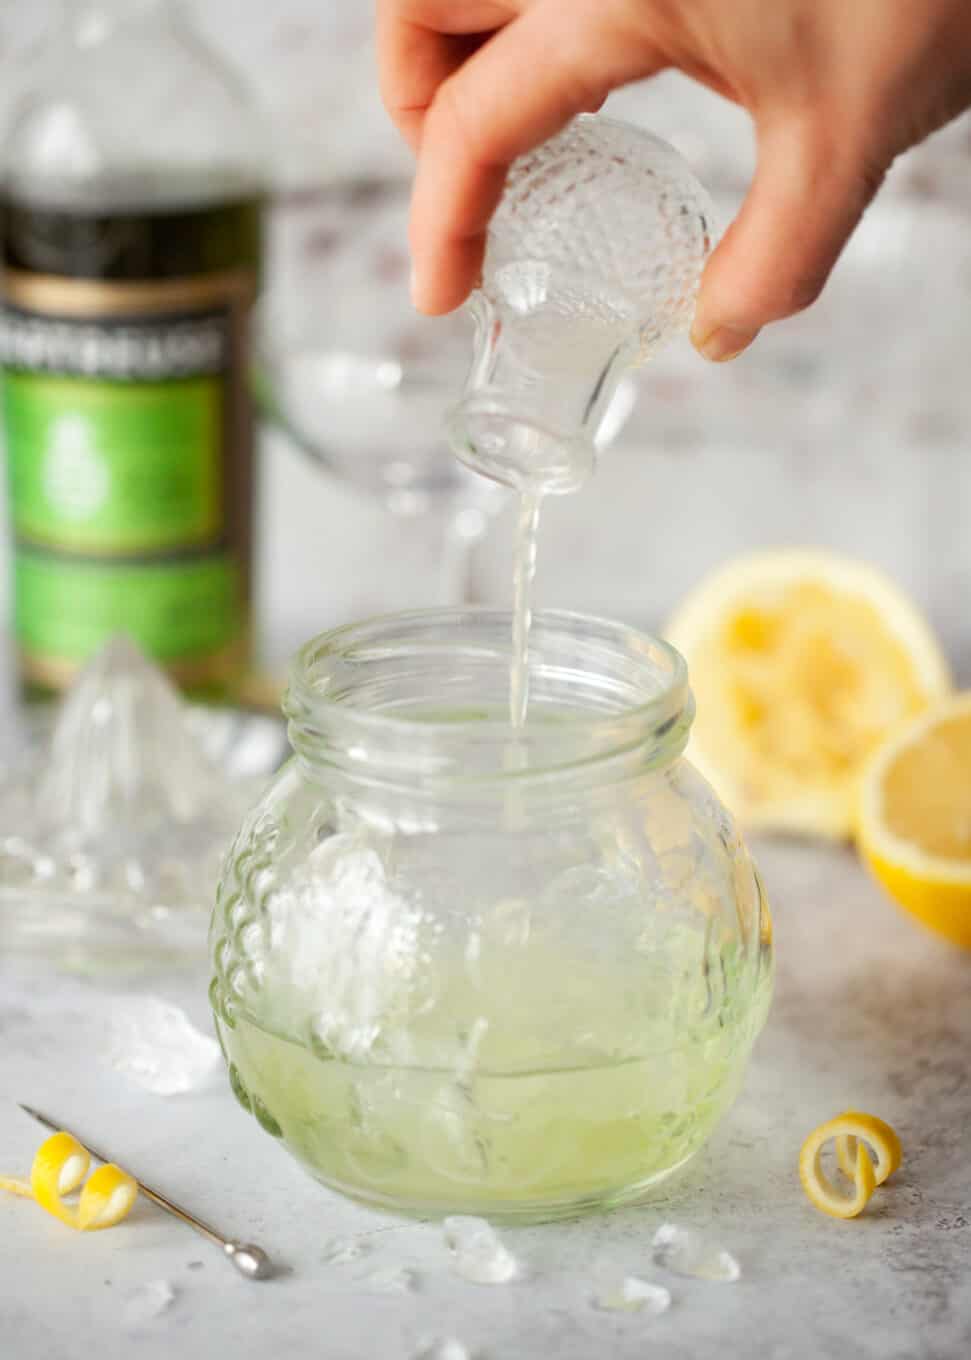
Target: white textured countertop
[(869, 1012)]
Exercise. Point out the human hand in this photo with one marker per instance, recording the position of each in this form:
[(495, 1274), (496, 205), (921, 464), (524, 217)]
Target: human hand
[(836, 90)]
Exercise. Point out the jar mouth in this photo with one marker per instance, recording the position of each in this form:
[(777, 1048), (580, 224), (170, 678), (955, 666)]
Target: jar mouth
[(426, 693)]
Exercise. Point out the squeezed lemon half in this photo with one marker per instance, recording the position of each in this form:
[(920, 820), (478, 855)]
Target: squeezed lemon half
[(853, 1133), (60, 1166), (801, 663)]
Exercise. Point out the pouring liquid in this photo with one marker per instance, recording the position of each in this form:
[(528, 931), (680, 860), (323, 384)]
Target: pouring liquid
[(524, 573)]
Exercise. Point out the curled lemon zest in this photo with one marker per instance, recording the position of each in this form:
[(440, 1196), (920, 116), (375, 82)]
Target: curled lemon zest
[(854, 1134), (16, 1187), (883, 1140), (106, 1199), (60, 1166)]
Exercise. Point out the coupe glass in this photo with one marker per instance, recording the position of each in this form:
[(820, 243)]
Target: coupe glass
[(360, 381)]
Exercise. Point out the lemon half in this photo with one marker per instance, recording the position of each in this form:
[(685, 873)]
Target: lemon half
[(801, 663), (915, 818)]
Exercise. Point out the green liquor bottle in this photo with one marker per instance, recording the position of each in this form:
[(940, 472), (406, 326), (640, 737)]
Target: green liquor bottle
[(131, 243)]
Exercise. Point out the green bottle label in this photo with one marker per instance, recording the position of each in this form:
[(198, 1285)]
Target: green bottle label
[(127, 430), (172, 610), (111, 468)]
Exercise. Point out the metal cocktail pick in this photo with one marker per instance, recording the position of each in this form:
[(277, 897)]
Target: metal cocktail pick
[(249, 1260)]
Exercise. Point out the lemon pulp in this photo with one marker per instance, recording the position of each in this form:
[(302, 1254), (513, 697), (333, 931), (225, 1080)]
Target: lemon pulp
[(801, 664), (914, 825), (927, 792)]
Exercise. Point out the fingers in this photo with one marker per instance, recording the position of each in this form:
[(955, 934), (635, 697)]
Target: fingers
[(420, 43), (555, 60), (808, 195), (412, 63)]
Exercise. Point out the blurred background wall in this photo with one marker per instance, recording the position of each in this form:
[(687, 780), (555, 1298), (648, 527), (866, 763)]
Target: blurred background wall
[(848, 427)]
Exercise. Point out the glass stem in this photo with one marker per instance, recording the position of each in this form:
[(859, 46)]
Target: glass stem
[(91, 21), (462, 535)]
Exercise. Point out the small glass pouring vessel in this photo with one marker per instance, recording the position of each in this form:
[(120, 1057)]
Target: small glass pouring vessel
[(593, 261)]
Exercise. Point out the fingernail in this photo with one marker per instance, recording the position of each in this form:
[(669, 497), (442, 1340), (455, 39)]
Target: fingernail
[(722, 342), (413, 286)]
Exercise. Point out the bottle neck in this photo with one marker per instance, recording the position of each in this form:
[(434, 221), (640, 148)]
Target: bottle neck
[(534, 403)]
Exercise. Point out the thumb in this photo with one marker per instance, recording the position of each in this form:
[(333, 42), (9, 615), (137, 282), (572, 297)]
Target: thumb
[(808, 194)]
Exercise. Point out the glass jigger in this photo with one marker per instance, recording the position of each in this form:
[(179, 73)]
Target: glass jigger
[(593, 261)]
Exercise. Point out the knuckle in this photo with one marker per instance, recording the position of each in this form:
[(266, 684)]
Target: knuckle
[(451, 115), (788, 291), (849, 161), (802, 292), (872, 173), (570, 55)]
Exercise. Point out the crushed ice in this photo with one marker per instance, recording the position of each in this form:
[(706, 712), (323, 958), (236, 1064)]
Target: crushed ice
[(155, 1045), (148, 1302), (443, 1348), (359, 975), (342, 1251), (477, 1253), (633, 1295), (686, 1252), (393, 1280)]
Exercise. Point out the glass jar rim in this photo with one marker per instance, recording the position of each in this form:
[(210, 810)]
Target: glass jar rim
[(622, 690)]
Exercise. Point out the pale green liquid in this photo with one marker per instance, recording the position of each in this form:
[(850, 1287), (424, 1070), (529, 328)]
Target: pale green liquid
[(515, 1142)]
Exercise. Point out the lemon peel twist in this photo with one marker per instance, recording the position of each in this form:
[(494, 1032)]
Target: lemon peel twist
[(853, 1133), (60, 1167)]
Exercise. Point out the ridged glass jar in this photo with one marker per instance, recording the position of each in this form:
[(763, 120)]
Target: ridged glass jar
[(462, 967)]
